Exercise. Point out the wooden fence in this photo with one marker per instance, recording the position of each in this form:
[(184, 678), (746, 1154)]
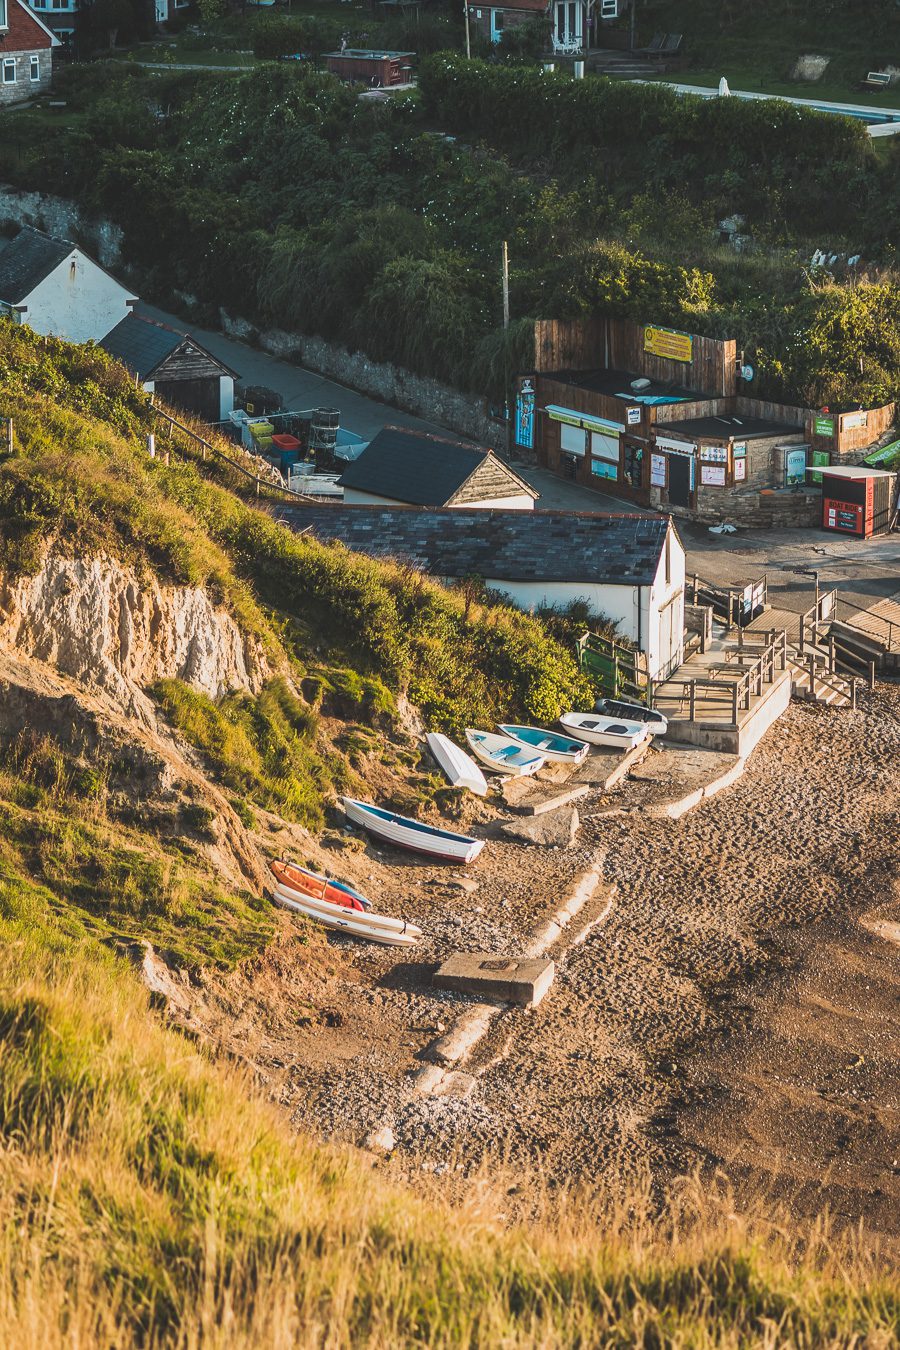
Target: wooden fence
[(618, 344)]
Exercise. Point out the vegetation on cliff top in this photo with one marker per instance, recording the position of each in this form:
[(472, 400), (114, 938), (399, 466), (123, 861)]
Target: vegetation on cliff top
[(280, 197)]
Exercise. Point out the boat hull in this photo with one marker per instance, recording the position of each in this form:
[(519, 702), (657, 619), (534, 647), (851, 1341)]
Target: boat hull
[(378, 922), (607, 731), (559, 755), (300, 879), (411, 835), (510, 768), (339, 924), (458, 767), (655, 722)]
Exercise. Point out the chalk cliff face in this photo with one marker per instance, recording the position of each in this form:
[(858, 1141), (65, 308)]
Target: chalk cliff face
[(97, 622)]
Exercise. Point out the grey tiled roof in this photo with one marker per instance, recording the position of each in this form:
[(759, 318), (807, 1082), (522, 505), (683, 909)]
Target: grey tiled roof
[(499, 545), (140, 344), (26, 261), (419, 468)]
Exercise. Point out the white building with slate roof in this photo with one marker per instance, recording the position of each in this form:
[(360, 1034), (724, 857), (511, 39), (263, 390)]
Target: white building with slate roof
[(56, 289), (628, 568)]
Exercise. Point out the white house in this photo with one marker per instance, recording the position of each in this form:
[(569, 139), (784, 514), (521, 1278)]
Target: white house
[(55, 288), (404, 467), (173, 365), (628, 568)]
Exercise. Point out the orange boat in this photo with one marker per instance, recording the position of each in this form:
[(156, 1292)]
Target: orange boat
[(304, 882)]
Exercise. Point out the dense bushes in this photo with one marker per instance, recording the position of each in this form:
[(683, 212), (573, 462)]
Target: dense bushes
[(749, 149), (280, 197)]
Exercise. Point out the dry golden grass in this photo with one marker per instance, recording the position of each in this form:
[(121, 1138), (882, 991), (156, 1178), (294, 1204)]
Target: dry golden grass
[(149, 1197)]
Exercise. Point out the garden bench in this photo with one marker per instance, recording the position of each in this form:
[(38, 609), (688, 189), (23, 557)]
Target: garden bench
[(876, 79)]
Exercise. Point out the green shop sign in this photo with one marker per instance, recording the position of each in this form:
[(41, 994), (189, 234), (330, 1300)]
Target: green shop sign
[(888, 456), (824, 426)]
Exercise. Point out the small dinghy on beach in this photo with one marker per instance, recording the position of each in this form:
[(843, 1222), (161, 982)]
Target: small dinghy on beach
[(292, 877), (412, 834), (547, 743), (657, 725), (380, 928), (503, 754), (605, 730), (458, 767)]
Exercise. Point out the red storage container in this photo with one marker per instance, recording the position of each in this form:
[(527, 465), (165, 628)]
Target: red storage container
[(285, 442)]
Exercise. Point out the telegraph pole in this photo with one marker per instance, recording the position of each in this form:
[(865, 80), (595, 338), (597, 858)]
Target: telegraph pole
[(505, 265), (468, 41)]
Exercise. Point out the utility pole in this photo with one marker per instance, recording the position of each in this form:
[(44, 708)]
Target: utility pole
[(505, 255), (632, 25), (468, 41)]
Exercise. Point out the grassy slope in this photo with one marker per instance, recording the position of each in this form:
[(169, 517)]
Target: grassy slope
[(146, 1195)]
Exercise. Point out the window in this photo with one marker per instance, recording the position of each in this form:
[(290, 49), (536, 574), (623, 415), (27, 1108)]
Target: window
[(605, 447), (571, 440), (4, 23), (9, 70), (498, 20), (35, 69)]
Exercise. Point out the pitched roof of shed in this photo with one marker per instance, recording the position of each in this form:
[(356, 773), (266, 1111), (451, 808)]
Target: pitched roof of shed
[(537, 546), (419, 468), (142, 344), (27, 260)]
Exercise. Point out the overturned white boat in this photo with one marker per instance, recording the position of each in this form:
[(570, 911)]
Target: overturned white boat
[(459, 768), (412, 834)]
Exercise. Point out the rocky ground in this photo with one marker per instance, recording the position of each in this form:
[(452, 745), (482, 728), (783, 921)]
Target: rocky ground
[(735, 1008)]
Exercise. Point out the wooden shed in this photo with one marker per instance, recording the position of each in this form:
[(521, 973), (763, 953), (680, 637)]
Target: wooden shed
[(173, 365)]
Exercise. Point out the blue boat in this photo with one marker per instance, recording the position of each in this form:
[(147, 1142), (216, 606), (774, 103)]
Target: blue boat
[(549, 743)]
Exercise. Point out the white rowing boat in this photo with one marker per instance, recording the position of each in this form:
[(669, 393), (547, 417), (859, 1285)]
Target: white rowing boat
[(629, 711), (503, 754), (363, 917), (550, 744), (384, 936), (459, 768), (412, 834), (605, 730)]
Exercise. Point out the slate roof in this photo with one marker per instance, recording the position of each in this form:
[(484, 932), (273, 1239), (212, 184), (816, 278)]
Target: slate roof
[(506, 545), (724, 428), (421, 469), (142, 344), (27, 260)]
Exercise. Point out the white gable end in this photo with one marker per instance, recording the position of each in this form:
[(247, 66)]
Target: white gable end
[(77, 301)]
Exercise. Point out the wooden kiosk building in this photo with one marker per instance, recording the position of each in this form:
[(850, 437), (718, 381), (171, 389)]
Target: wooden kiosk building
[(661, 418)]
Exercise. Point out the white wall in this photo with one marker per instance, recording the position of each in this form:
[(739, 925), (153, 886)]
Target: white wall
[(78, 301), (353, 497), (619, 604), (663, 617), (226, 396)]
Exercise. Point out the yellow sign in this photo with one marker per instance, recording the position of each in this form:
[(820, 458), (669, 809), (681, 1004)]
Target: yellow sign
[(665, 342)]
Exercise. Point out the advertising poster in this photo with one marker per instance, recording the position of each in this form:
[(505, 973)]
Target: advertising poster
[(657, 471), (740, 470), (795, 468), (714, 454), (632, 417), (525, 415), (824, 426), (668, 343), (712, 475)]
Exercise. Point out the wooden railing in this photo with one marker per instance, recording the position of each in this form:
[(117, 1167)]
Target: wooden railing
[(614, 667), (814, 618), (207, 448), (885, 631), (735, 607), (733, 695)]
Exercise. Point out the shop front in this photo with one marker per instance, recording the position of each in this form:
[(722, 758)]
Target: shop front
[(610, 453)]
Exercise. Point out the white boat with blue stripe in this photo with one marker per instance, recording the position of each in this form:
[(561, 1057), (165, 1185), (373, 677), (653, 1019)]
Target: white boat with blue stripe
[(548, 743), (503, 754), (412, 834)]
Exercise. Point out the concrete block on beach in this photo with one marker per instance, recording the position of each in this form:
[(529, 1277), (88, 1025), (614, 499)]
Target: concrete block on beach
[(554, 829), (510, 979)]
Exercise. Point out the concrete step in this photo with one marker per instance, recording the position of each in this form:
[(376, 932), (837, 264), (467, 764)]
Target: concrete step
[(834, 691)]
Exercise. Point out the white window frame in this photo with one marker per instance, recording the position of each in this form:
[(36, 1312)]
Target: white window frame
[(34, 69), (7, 62), (572, 440), (4, 15), (605, 445)]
